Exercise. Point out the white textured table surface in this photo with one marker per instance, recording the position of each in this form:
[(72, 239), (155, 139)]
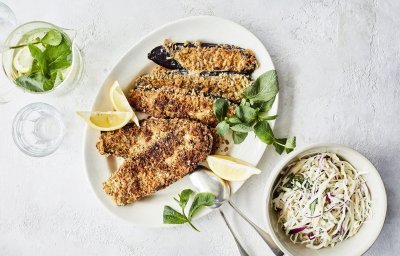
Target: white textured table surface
[(339, 69)]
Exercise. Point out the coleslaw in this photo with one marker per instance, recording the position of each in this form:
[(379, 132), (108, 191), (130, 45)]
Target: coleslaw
[(321, 200)]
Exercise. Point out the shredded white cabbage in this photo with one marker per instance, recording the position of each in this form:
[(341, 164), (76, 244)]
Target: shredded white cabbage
[(321, 200)]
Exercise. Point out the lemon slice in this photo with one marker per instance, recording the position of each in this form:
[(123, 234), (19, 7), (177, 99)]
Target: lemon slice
[(229, 168), (106, 121), (119, 101), (23, 60)]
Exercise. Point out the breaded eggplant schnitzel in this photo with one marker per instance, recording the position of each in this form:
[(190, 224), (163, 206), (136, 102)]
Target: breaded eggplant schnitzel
[(158, 153), (167, 102)]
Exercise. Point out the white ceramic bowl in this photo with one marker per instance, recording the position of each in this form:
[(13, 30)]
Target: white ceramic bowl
[(368, 233)]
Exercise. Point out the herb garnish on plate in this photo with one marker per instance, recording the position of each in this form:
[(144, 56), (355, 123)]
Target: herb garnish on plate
[(252, 114), (171, 216)]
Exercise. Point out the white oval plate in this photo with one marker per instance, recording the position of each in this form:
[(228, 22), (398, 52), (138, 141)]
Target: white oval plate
[(148, 212)]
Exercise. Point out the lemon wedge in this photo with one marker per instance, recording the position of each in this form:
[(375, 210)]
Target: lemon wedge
[(229, 168), (106, 121), (23, 60), (120, 102)]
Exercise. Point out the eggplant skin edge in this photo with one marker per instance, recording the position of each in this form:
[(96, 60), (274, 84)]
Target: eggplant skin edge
[(161, 56)]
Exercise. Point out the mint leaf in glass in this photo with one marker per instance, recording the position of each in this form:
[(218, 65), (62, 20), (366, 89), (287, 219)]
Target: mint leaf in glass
[(53, 37)]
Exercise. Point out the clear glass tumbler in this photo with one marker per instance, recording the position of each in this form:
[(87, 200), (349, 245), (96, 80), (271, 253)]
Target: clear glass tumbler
[(38, 129)]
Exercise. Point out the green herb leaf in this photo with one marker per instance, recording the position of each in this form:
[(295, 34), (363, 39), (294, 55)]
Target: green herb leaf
[(184, 197), (266, 106), (60, 56), (284, 144), (234, 120), (241, 128), (239, 137), (201, 200), (221, 108), (264, 88), (31, 82), (263, 117), (264, 132), (53, 37), (244, 102), (35, 67), (279, 145), (38, 55), (246, 113), (290, 144), (253, 114), (171, 216), (222, 128), (312, 205), (48, 83)]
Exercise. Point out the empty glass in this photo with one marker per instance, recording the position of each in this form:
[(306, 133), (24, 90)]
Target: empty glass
[(38, 129)]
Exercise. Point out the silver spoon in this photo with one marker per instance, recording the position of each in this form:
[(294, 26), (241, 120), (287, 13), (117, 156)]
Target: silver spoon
[(206, 181)]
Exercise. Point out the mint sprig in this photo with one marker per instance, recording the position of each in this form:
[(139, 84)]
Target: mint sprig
[(172, 216), (47, 64), (253, 114)]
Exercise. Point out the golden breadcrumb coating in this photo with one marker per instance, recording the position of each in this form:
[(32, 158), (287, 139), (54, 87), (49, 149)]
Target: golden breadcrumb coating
[(212, 57), (167, 102), (225, 85), (168, 156)]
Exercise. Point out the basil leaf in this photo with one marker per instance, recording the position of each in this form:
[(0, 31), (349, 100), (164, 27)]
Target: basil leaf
[(53, 37), (264, 132), (264, 88), (290, 144), (246, 114), (262, 116), (39, 56), (220, 108), (234, 120), (241, 128), (312, 205), (32, 82), (199, 201), (184, 197), (239, 137), (279, 145), (222, 128), (171, 216)]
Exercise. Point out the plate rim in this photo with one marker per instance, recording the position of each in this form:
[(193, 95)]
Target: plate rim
[(87, 128)]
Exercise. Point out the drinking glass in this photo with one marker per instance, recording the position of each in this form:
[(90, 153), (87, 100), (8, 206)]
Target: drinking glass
[(38, 129), (14, 38)]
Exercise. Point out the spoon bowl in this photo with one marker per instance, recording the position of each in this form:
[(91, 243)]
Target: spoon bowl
[(206, 181)]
